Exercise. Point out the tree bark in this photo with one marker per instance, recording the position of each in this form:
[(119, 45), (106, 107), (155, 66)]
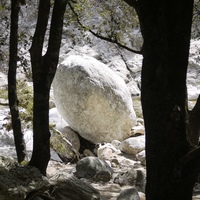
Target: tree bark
[(166, 28), (44, 68), (12, 91), (194, 119)]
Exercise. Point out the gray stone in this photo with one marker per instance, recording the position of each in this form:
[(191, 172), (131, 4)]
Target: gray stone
[(65, 187), (93, 100), (133, 177), (129, 194), (133, 145), (92, 167), (107, 152), (56, 120), (65, 143), (16, 181)]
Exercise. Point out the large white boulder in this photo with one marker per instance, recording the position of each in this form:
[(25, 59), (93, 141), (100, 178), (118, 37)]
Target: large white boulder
[(93, 100)]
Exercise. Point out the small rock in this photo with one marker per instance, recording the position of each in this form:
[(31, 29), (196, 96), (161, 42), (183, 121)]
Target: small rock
[(138, 130), (66, 144), (107, 152), (88, 153), (116, 143), (142, 195), (68, 187), (89, 167), (129, 194), (141, 157), (133, 145), (133, 177)]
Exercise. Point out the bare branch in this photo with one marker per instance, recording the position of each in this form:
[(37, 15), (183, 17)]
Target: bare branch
[(115, 41), (192, 158)]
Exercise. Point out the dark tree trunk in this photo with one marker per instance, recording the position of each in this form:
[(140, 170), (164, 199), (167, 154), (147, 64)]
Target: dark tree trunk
[(166, 28), (44, 68), (12, 91), (194, 119)]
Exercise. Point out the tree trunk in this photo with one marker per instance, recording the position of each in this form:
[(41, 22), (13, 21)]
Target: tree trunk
[(194, 119), (12, 91), (166, 28), (44, 68)]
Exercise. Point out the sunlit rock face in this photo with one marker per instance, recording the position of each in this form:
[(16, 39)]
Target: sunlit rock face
[(93, 99)]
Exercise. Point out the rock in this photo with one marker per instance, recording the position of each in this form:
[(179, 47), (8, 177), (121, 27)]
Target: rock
[(56, 120), (87, 153), (107, 152), (120, 68), (93, 100), (80, 50), (16, 181), (116, 143), (66, 144), (193, 74), (129, 194), (3, 79), (92, 167), (141, 157), (132, 177), (142, 195), (28, 138), (133, 145), (138, 130), (137, 106), (65, 187)]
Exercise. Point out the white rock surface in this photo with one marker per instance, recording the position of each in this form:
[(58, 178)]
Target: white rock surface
[(107, 152), (193, 75), (56, 119), (93, 100)]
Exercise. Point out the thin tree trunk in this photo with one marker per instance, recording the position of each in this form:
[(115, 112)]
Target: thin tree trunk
[(12, 91), (44, 69)]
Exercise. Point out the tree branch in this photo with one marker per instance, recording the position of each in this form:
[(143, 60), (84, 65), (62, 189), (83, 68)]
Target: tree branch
[(114, 41), (192, 158)]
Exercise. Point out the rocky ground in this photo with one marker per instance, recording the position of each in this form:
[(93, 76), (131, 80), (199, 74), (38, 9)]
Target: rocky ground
[(109, 190), (121, 163)]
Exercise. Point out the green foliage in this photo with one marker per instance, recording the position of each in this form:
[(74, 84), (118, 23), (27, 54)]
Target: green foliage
[(57, 145), (25, 97)]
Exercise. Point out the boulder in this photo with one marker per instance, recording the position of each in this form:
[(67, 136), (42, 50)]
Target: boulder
[(56, 120), (93, 99)]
